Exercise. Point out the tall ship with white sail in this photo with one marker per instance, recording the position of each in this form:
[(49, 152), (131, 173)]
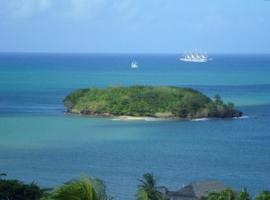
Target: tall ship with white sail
[(195, 57), (134, 65)]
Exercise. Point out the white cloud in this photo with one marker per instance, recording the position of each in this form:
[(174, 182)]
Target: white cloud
[(62, 8), (23, 8), (44, 4), (84, 8)]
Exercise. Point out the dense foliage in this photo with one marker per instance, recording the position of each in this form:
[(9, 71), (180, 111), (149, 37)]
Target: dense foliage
[(171, 102), (229, 194), (148, 189), (17, 190), (264, 195), (87, 188), (84, 188)]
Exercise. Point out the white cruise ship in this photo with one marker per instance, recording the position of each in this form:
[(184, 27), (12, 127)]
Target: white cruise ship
[(195, 57)]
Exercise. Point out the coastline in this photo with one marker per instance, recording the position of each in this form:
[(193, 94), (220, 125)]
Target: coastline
[(122, 117), (147, 118), (148, 103), (133, 118)]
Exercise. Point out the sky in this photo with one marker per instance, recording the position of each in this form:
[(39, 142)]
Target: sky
[(135, 26)]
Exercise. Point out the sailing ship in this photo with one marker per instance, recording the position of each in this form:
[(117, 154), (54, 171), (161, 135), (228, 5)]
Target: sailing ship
[(195, 57), (134, 64)]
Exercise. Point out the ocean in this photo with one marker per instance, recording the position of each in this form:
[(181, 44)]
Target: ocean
[(39, 142)]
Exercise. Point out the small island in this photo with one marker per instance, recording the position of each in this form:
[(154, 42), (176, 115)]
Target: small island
[(166, 102)]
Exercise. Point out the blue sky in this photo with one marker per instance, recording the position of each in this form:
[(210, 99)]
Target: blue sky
[(135, 26)]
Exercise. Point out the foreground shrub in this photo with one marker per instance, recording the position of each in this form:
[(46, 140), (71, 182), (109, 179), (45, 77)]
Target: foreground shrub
[(244, 195), (81, 189), (17, 190), (264, 195), (227, 194), (148, 189)]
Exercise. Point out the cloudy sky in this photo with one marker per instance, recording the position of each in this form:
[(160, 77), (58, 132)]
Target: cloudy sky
[(135, 26)]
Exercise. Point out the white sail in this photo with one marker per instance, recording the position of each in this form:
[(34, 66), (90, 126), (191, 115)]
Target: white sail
[(134, 64), (195, 57)]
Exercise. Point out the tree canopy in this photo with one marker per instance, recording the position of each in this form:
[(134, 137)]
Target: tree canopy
[(17, 190), (84, 188), (148, 101), (88, 188), (148, 189)]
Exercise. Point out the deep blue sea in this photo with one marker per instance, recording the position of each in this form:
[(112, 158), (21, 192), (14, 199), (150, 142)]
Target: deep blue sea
[(38, 142)]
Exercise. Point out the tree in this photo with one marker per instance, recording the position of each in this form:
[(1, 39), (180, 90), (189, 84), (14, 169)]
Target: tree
[(217, 100), (264, 195), (212, 196), (227, 194), (17, 190), (230, 106), (181, 111), (148, 190), (244, 195), (100, 189), (141, 195), (81, 189)]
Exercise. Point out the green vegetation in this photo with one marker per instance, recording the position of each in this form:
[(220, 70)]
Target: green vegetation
[(148, 189), (84, 188), (229, 194), (264, 195), (17, 190), (244, 195), (148, 101), (87, 188)]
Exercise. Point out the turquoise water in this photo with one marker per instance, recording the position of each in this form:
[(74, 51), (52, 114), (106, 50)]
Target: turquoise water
[(39, 142)]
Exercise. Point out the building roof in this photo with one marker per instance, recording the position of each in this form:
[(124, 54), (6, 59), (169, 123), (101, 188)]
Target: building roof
[(196, 190), (203, 188)]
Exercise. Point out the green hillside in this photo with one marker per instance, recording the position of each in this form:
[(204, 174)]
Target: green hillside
[(148, 101)]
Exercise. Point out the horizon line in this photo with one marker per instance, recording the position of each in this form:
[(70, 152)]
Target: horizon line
[(123, 53)]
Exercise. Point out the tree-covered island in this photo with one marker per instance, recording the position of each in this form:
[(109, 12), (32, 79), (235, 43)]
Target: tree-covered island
[(148, 101)]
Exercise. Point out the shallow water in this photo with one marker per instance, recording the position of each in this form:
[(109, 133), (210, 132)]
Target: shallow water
[(39, 142)]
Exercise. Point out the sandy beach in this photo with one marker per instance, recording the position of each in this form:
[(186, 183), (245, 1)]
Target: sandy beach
[(133, 118)]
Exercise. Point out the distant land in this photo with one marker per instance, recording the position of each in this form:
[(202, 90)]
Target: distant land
[(166, 102)]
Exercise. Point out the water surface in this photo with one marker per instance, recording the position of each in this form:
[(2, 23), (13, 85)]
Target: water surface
[(39, 142)]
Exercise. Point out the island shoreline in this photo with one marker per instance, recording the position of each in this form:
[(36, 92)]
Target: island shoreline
[(148, 103), (148, 118)]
